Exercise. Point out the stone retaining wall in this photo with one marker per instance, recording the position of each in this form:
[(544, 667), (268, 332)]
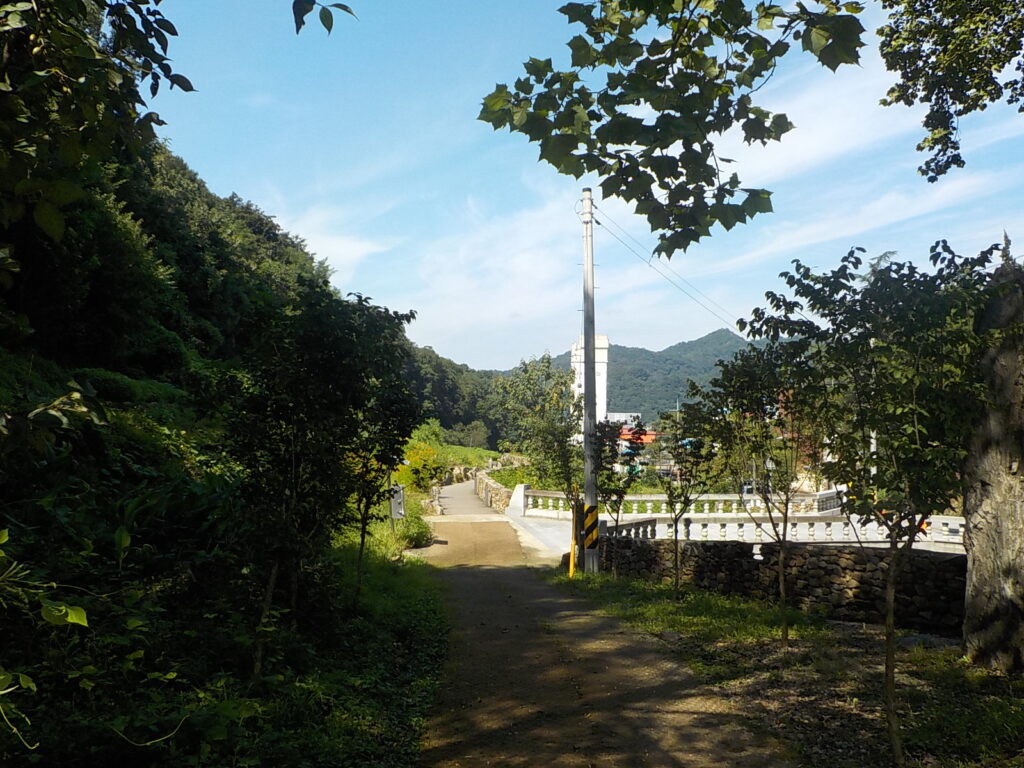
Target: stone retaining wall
[(841, 582), (459, 474), (491, 492)]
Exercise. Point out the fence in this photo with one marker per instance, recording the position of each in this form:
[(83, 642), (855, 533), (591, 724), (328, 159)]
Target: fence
[(731, 517)]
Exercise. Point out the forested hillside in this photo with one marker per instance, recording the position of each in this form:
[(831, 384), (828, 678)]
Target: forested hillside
[(649, 383), (195, 431)]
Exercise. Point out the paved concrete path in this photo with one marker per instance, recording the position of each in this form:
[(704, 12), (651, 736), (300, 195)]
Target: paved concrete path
[(535, 678)]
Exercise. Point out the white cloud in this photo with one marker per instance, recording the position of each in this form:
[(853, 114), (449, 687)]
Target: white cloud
[(505, 287), (327, 237), (849, 213), (837, 115)]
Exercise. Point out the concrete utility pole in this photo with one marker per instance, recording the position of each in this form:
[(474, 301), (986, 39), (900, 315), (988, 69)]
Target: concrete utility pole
[(590, 560)]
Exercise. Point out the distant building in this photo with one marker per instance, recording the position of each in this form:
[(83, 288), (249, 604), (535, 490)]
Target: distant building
[(601, 371), (627, 419)]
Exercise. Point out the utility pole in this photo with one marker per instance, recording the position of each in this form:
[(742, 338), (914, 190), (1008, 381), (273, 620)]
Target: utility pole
[(590, 530)]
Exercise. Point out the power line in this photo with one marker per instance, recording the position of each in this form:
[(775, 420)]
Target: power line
[(673, 282), (664, 265), (651, 264)]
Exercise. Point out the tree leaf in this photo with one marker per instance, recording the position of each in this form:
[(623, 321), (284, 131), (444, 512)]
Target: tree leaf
[(76, 615), (63, 192), (122, 539), (757, 201), (326, 19), (60, 614), (49, 219), (300, 10), (181, 81), (345, 8), (583, 53)]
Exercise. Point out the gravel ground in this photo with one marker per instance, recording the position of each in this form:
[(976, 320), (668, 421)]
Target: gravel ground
[(536, 678)]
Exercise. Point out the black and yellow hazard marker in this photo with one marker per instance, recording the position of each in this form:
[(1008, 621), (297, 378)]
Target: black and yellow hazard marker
[(590, 526)]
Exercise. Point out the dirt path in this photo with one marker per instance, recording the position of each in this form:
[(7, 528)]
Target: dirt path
[(535, 679)]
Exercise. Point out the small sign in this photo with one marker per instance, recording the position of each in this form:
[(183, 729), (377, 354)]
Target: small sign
[(397, 502)]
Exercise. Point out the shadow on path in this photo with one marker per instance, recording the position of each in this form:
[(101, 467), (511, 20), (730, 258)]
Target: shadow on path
[(534, 678)]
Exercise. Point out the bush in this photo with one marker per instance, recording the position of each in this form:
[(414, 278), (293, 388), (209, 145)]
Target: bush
[(427, 464), (114, 386), (510, 477), (415, 530)]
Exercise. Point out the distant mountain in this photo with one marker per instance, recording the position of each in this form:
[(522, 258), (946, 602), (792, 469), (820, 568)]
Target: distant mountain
[(647, 382)]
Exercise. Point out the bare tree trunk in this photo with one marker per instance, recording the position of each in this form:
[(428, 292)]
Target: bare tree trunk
[(889, 688), (783, 601), (293, 595), (782, 537), (994, 496), (268, 603), (675, 549), (364, 523)]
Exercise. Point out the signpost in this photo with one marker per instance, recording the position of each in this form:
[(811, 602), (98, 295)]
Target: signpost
[(397, 504)]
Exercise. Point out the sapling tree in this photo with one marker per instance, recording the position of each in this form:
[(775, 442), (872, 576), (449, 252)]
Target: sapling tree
[(761, 415), (541, 416), (895, 354), (686, 439), (373, 455), (326, 385), (618, 464)]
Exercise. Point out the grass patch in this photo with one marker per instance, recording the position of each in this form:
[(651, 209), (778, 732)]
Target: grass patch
[(510, 477), (717, 635), (469, 457), (388, 667), (823, 695), (364, 698)]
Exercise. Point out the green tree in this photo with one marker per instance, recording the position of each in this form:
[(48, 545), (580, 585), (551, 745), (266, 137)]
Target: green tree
[(618, 466), (375, 451), (687, 439), (541, 417), (895, 354), (472, 435), (316, 398), (762, 416), (654, 85)]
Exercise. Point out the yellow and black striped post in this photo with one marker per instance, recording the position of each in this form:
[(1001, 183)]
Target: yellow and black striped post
[(590, 526), (590, 537)]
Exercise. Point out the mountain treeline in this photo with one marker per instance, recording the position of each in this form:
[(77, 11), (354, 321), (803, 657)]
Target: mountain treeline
[(467, 403), (652, 383)]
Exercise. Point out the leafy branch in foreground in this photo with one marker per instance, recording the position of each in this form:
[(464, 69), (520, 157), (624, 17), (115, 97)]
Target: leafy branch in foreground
[(654, 86), (302, 8)]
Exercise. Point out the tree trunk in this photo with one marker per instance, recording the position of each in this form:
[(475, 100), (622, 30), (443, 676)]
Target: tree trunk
[(783, 602), (364, 523), (892, 721), (293, 595), (675, 564), (994, 495), (268, 604)]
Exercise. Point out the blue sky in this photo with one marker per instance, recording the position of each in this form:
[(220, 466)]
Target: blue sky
[(366, 144)]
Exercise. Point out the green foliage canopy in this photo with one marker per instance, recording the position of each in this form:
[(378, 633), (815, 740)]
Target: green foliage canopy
[(653, 85)]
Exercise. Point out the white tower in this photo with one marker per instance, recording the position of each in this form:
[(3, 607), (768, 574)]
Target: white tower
[(601, 365)]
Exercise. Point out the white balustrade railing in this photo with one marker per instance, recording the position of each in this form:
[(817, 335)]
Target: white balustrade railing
[(730, 517)]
